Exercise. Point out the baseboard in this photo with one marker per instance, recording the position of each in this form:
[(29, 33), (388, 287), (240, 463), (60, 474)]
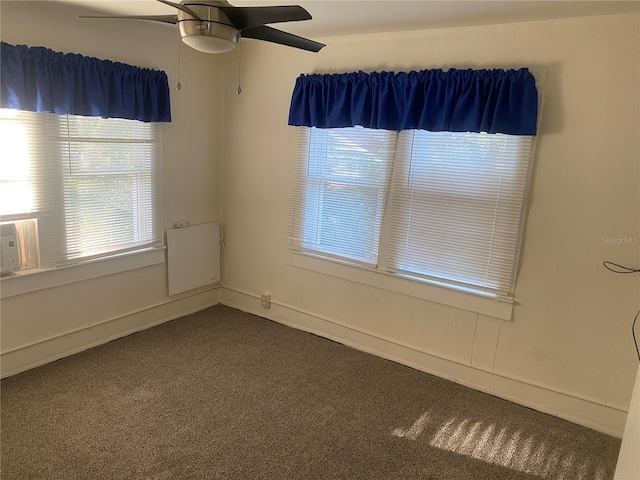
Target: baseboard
[(44, 351), (569, 406)]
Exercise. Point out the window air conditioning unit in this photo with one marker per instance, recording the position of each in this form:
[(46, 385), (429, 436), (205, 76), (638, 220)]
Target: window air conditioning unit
[(9, 248)]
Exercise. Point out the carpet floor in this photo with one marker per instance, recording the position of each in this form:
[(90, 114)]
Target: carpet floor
[(222, 394)]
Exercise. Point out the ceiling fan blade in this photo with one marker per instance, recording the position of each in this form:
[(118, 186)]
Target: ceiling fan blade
[(179, 6), (269, 34), (155, 18), (244, 17)]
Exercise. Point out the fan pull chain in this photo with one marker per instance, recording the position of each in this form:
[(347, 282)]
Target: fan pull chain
[(178, 86), (239, 90)]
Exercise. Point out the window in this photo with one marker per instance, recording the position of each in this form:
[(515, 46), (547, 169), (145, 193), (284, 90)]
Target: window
[(344, 191), (80, 188), (439, 207)]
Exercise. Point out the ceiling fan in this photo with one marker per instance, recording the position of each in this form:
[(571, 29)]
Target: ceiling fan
[(215, 26)]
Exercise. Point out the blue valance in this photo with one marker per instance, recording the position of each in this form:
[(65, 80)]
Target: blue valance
[(38, 79), (492, 101)]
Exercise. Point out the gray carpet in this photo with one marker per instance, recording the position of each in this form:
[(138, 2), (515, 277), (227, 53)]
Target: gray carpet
[(226, 395)]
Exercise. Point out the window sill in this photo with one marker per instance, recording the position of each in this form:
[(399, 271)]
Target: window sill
[(19, 283), (500, 308)]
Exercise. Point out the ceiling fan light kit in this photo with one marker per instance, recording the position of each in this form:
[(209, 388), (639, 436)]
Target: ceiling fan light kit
[(215, 38), (215, 26), (212, 33), (208, 44)]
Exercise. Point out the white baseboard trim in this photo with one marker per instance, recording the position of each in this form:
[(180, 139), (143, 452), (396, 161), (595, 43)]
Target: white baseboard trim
[(26, 357), (574, 407)]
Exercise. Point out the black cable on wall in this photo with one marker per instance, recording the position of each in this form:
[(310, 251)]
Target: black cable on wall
[(615, 268)]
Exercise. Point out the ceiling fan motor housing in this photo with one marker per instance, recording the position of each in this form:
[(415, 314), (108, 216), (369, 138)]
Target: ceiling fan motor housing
[(212, 33)]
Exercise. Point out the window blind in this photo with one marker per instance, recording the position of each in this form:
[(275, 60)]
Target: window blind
[(93, 185), (26, 175), (111, 183), (339, 191), (457, 203)]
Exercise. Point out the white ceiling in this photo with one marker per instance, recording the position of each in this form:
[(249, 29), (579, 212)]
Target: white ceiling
[(343, 17)]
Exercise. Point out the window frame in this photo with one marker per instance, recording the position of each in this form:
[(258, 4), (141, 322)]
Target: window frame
[(382, 266), (73, 175), (53, 271)]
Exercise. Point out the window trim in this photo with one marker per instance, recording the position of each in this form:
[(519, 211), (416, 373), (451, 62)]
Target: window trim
[(27, 281), (479, 302)]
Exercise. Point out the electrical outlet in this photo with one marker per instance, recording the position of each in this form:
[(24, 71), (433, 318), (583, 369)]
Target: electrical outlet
[(265, 300)]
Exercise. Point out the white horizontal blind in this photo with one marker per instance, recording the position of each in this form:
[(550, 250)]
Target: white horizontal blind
[(27, 172), (111, 175), (457, 204), (93, 185), (339, 191)]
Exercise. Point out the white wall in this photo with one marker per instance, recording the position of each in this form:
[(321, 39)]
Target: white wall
[(568, 350), (44, 325)]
